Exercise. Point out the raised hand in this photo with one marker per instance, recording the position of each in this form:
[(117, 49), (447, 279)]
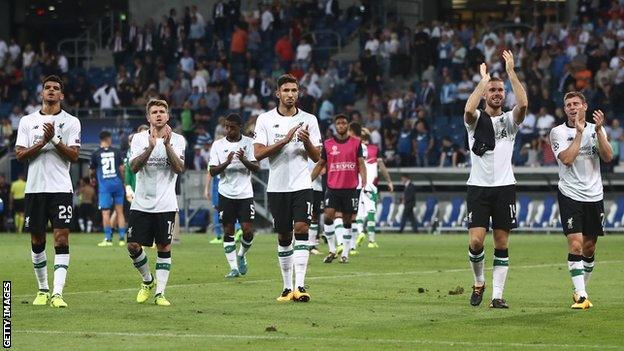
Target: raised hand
[(48, 132), (304, 134), (579, 121), (153, 135), (483, 70), (291, 132), (509, 60), (230, 156), (240, 154), (599, 119), (167, 135)]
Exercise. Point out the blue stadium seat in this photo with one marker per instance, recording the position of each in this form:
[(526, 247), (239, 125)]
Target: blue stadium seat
[(548, 205), (453, 220), (385, 209), (616, 213), (430, 207), (523, 210)]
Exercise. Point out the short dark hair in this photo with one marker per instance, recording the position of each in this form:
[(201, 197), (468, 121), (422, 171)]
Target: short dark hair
[(572, 94), (234, 118), (286, 78), (356, 128), (495, 79), (341, 116), (105, 134), (53, 78)]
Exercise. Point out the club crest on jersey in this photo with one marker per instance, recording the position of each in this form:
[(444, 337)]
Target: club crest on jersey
[(61, 125), (555, 146), (36, 127), (276, 126), (334, 150)]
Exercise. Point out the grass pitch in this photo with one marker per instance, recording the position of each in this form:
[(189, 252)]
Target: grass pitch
[(395, 297)]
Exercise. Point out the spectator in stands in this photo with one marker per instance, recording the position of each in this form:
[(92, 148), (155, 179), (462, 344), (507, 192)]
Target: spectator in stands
[(304, 53), (235, 100), (406, 144), (545, 122), (202, 136), (448, 153), (284, 52), (107, 97), (424, 144)]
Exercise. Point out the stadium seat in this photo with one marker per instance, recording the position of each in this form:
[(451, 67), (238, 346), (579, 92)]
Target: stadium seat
[(615, 213), (522, 206), (452, 216), (426, 217), (384, 212)]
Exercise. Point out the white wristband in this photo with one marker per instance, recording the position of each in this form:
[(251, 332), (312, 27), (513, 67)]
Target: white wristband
[(55, 140)]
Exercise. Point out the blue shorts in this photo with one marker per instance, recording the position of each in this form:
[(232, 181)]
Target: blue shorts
[(109, 197)]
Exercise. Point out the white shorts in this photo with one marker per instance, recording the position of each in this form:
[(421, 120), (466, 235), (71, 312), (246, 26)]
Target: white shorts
[(367, 204)]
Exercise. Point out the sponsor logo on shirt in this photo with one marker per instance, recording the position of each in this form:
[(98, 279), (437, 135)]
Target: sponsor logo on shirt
[(342, 166), (36, 127)]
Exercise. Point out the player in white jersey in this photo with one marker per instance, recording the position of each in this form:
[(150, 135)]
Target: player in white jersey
[(288, 137), (156, 157), (232, 158), (49, 140), (317, 209), (367, 207), (491, 186), (579, 146)]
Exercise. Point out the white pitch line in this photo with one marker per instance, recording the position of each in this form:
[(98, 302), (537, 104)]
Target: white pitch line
[(351, 275), (319, 339)]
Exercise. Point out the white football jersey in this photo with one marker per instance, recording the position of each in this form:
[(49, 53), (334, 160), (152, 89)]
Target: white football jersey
[(235, 180), (317, 184), (288, 170), (155, 181), (494, 167), (48, 172), (581, 181)]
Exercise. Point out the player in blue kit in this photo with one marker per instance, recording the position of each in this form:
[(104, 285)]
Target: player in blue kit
[(107, 169)]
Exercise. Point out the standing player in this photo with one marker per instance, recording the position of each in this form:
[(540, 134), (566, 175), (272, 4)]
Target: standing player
[(342, 157), (16, 201), (579, 146), (491, 186), (107, 170), (157, 157), (317, 207), (367, 206), (232, 158), (50, 140), (289, 187)]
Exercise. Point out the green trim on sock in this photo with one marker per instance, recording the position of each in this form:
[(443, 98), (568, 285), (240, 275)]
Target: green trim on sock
[(576, 272), (140, 263), (285, 253), (165, 266), (588, 269), (370, 229), (339, 226), (347, 237), (501, 262), (359, 221), (301, 247), (40, 264), (57, 266), (477, 259), (229, 248), (329, 233)]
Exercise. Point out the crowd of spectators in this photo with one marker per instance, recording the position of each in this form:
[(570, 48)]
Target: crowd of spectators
[(413, 82)]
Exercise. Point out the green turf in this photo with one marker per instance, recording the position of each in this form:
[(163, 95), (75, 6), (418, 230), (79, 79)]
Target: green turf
[(372, 303)]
